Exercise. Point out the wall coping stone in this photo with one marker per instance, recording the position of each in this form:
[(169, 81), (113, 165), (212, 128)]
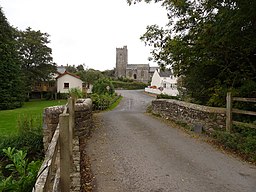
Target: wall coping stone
[(195, 106)]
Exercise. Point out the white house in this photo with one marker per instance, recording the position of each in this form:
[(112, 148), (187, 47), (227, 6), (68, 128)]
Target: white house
[(67, 80), (163, 82)]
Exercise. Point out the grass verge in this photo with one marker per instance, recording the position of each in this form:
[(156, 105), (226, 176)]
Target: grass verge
[(9, 118)]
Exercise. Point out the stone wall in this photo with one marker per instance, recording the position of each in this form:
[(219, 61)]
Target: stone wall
[(83, 119), (192, 114)]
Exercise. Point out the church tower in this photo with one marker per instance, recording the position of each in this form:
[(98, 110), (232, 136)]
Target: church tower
[(121, 61)]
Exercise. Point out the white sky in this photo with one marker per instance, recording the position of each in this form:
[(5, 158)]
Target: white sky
[(88, 31)]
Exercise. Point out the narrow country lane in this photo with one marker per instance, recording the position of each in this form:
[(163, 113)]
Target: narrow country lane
[(133, 152)]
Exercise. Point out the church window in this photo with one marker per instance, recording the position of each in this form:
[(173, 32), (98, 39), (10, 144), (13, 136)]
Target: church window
[(142, 73), (134, 76)]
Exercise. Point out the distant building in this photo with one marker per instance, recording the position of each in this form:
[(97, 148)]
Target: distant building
[(137, 72), (67, 80), (163, 82)]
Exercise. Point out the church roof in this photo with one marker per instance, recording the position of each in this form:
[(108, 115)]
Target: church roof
[(135, 66)]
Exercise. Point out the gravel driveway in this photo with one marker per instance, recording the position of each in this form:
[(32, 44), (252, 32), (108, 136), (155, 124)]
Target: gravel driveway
[(133, 152)]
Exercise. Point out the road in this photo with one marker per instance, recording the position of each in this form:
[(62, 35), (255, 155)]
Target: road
[(133, 152)]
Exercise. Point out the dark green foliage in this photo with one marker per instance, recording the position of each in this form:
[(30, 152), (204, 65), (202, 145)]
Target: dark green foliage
[(29, 137), (211, 44), (35, 56), (90, 76), (129, 85), (11, 86), (165, 96), (103, 101), (18, 168), (20, 174), (62, 95), (103, 86), (242, 140), (75, 93)]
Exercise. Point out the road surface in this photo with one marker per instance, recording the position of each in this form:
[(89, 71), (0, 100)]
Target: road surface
[(133, 152)]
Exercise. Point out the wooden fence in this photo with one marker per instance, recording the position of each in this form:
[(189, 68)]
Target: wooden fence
[(59, 169), (230, 110)]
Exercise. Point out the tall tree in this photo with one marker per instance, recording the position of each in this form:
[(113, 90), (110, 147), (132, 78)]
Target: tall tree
[(35, 56), (211, 43), (11, 84)]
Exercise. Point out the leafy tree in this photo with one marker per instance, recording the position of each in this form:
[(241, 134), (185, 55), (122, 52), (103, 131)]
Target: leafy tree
[(71, 68), (212, 44), (80, 67), (109, 73), (11, 86), (103, 86), (89, 76), (35, 56)]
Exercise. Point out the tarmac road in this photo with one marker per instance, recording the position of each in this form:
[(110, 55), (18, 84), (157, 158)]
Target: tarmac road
[(133, 152)]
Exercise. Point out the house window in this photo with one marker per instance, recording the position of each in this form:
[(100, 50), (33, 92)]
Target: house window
[(66, 85)]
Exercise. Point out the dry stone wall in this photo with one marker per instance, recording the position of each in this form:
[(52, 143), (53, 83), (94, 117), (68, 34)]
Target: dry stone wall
[(83, 119), (192, 114)]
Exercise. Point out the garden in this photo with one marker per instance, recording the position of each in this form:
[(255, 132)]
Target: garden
[(21, 145)]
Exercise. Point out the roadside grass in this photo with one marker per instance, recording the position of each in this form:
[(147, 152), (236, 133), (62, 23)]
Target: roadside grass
[(115, 104), (9, 118)]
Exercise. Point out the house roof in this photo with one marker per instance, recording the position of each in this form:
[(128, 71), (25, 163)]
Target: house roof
[(166, 73), (67, 73), (61, 69)]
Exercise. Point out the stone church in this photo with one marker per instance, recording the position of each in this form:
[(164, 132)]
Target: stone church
[(137, 72)]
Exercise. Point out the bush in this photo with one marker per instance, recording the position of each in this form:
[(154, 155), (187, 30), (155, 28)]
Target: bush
[(75, 92), (165, 96), (103, 86), (242, 140), (62, 95), (128, 85), (29, 137), (20, 175), (102, 102)]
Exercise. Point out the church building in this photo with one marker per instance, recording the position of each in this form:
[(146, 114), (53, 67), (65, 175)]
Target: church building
[(137, 72)]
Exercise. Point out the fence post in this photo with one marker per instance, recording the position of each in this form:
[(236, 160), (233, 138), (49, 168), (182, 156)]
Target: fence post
[(229, 112), (71, 125), (64, 153)]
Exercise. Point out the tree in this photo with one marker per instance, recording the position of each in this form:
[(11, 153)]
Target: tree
[(89, 76), (212, 44), (103, 86), (35, 56), (71, 68), (11, 86)]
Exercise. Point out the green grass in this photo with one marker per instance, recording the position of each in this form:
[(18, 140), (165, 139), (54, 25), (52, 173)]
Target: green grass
[(114, 105), (9, 118)]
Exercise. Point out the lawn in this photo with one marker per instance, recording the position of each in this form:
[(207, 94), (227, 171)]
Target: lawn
[(8, 118)]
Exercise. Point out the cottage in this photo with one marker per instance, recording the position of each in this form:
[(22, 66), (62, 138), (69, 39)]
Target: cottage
[(67, 80), (163, 82)]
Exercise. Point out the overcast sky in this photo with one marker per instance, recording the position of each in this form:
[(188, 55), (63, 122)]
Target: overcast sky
[(88, 31)]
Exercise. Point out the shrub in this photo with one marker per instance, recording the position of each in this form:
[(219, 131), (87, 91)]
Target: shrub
[(75, 92), (22, 174), (103, 86), (242, 140), (165, 96), (129, 85), (29, 137), (102, 102)]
